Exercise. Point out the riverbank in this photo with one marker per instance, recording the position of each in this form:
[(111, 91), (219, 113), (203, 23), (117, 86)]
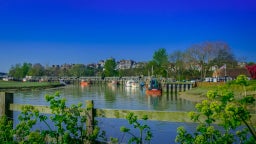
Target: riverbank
[(199, 93), (14, 85)]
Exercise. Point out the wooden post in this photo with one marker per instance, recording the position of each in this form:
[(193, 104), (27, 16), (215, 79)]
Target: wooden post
[(90, 117), (5, 100)]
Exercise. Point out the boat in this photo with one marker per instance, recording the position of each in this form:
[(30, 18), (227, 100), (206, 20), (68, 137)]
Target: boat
[(154, 88), (84, 83), (129, 83)]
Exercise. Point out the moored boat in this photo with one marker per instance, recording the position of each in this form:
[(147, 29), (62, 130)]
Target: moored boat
[(129, 83), (84, 83), (154, 88)]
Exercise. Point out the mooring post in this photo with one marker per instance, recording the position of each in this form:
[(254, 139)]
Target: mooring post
[(90, 117), (5, 100)]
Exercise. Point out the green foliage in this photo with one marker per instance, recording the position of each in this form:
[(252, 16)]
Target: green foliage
[(160, 56), (227, 112), (78, 70), (6, 130), (110, 68), (27, 119), (69, 125), (20, 71), (242, 80), (36, 70), (160, 62), (69, 122), (143, 129)]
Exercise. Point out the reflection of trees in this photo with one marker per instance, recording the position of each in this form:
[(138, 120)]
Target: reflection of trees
[(110, 93)]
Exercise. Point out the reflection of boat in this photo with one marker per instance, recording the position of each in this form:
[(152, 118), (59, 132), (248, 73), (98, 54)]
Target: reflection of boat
[(114, 82), (154, 88), (130, 91), (135, 84)]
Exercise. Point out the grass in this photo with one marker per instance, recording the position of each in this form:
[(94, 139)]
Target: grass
[(27, 85), (199, 93)]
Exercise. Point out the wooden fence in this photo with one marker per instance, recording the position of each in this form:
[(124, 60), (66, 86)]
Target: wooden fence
[(7, 106)]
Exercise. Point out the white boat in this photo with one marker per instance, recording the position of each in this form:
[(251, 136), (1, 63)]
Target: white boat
[(135, 84)]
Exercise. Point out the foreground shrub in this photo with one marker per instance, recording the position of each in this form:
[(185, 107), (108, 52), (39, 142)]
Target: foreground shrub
[(231, 115)]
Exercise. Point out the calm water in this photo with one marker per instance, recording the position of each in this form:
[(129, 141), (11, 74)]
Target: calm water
[(120, 97)]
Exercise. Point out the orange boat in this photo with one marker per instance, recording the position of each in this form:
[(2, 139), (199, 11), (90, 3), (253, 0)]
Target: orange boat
[(84, 83), (154, 88)]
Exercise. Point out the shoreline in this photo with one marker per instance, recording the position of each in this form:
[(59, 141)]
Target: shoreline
[(192, 98), (24, 86)]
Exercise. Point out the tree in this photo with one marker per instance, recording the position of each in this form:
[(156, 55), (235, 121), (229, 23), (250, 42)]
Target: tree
[(177, 61), (208, 54), (78, 70), (36, 70), (152, 68), (200, 55), (224, 55), (16, 72), (89, 71), (160, 59), (110, 68), (20, 71), (26, 68)]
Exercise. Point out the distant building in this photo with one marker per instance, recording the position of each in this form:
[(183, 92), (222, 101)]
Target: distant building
[(231, 72), (92, 65), (3, 75), (100, 64), (125, 64), (139, 64)]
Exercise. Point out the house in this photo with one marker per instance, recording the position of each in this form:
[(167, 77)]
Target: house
[(231, 72), (3, 76), (125, 64)]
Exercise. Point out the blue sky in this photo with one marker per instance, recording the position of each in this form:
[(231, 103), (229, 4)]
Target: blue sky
[(86, 31)]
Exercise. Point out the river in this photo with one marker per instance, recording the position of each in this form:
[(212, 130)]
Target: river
[(117, 97)]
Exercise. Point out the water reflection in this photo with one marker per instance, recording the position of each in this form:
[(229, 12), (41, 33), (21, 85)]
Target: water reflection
[(116, 97), (109, 96), (110, 93)]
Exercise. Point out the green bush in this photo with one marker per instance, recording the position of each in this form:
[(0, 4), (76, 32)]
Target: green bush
[(222, 108)]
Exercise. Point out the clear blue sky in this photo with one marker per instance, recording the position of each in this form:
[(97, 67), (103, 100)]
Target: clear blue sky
[(86, 31)]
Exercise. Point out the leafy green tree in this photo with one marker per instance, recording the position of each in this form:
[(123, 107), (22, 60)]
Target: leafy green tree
[(89, 71), (110, 68), (160, 56), (19, 71), (78, 70), (160, 62), (26, 68)]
